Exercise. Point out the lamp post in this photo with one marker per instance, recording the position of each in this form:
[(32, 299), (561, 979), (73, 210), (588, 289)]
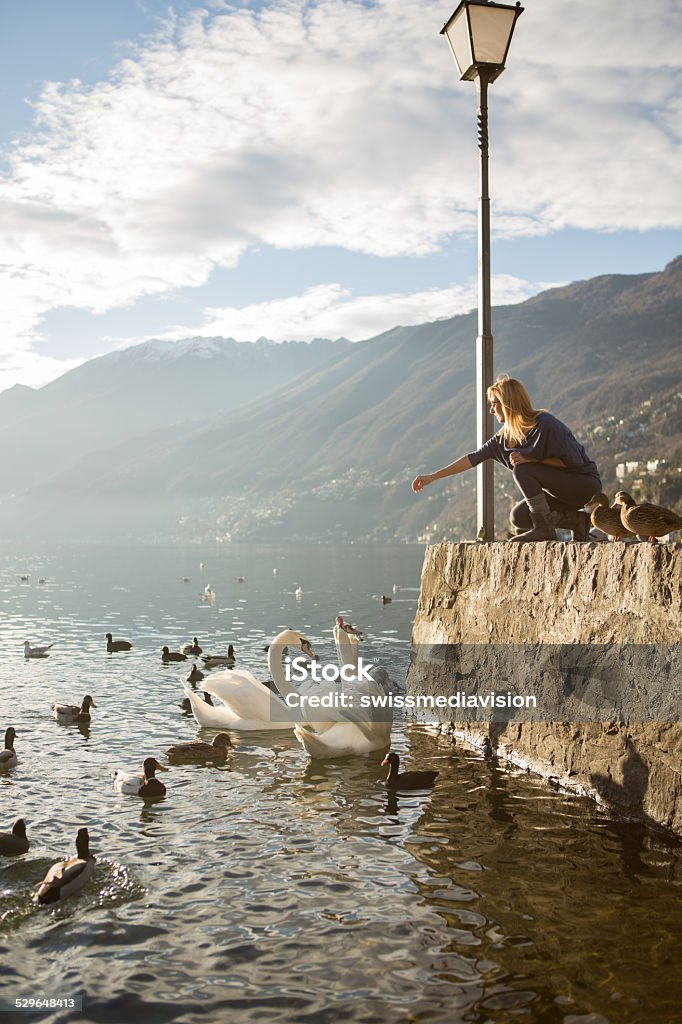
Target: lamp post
[(479, 33)]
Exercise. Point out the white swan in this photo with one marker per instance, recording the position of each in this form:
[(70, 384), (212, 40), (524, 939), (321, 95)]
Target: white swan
[(347, 640), (350, 730), (248, 705), (347, 644)]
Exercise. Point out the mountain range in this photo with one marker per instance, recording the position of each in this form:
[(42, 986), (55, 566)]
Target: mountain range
[(210, 439)]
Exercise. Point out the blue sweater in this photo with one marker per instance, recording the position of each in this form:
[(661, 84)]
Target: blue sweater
[(548, 439)]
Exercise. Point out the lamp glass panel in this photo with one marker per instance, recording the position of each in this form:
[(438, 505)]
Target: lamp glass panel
[(491, 28), (460, 43)]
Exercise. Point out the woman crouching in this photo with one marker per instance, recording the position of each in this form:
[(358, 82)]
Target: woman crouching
[(551, 469)]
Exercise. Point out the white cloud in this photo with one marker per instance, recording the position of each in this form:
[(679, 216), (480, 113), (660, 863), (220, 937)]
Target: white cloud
[(330, 311), (333, 123)]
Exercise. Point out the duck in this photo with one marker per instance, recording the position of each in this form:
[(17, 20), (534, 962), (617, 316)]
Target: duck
[(36, 652), (607, 518), (195, 675), (651, 521), (117, 645), (16, 841), (67, 877), (8, 756), (186, 704), (346, 638), (384, 599), (72, 712), (198, 751), (167, 656), (142, 783), (347, 628), (215, 660), (192, 648), (406, 780)]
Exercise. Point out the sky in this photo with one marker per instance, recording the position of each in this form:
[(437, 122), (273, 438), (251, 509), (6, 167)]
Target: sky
[(293, 170)]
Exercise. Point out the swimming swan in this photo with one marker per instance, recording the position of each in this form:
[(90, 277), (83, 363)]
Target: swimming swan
[(248, 704), (346, 639), (350, 730)]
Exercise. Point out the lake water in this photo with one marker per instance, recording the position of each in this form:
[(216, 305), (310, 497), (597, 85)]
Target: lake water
[(274, 888)]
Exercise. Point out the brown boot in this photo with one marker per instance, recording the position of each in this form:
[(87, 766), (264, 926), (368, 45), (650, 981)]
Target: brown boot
[(541, 518)]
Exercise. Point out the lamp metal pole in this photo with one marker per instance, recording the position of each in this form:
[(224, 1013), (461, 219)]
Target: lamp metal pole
[(484, 341)]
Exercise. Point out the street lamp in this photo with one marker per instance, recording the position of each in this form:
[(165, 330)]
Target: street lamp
[(479, 34)]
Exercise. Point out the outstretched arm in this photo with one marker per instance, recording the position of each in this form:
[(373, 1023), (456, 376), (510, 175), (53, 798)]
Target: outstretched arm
[(458, 466)]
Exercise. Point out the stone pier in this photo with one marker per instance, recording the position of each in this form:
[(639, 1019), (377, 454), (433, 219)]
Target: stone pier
[(548, 595)]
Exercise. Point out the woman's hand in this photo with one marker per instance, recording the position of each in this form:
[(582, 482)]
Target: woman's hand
[(517, 459), (420, 482)]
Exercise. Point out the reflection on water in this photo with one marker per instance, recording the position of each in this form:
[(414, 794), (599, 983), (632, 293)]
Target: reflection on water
[(273, 887)]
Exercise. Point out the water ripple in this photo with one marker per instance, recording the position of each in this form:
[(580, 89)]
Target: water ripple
[(272, 888)]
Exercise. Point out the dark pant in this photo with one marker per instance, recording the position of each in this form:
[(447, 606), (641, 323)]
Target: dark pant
[(565, 491)]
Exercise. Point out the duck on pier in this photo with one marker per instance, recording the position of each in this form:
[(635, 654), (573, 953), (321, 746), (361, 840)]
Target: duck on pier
[(651, 521), (606, 517)]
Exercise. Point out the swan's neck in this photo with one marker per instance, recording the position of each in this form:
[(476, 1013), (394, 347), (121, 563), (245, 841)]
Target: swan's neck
[(275, 655), (346, 648)]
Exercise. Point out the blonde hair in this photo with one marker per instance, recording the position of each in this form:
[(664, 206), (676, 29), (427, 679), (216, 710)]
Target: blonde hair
[(519, 414)]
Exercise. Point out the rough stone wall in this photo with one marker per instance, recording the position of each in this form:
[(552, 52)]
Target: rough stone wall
[(554, 593)]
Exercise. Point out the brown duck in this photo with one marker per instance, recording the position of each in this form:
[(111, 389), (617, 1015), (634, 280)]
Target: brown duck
[(651, 521), (117, 645), (607, 518), (197, 751), (16, 841), (142, 783), (74, 712), (68, 876), (167, 656), (186, 704)]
